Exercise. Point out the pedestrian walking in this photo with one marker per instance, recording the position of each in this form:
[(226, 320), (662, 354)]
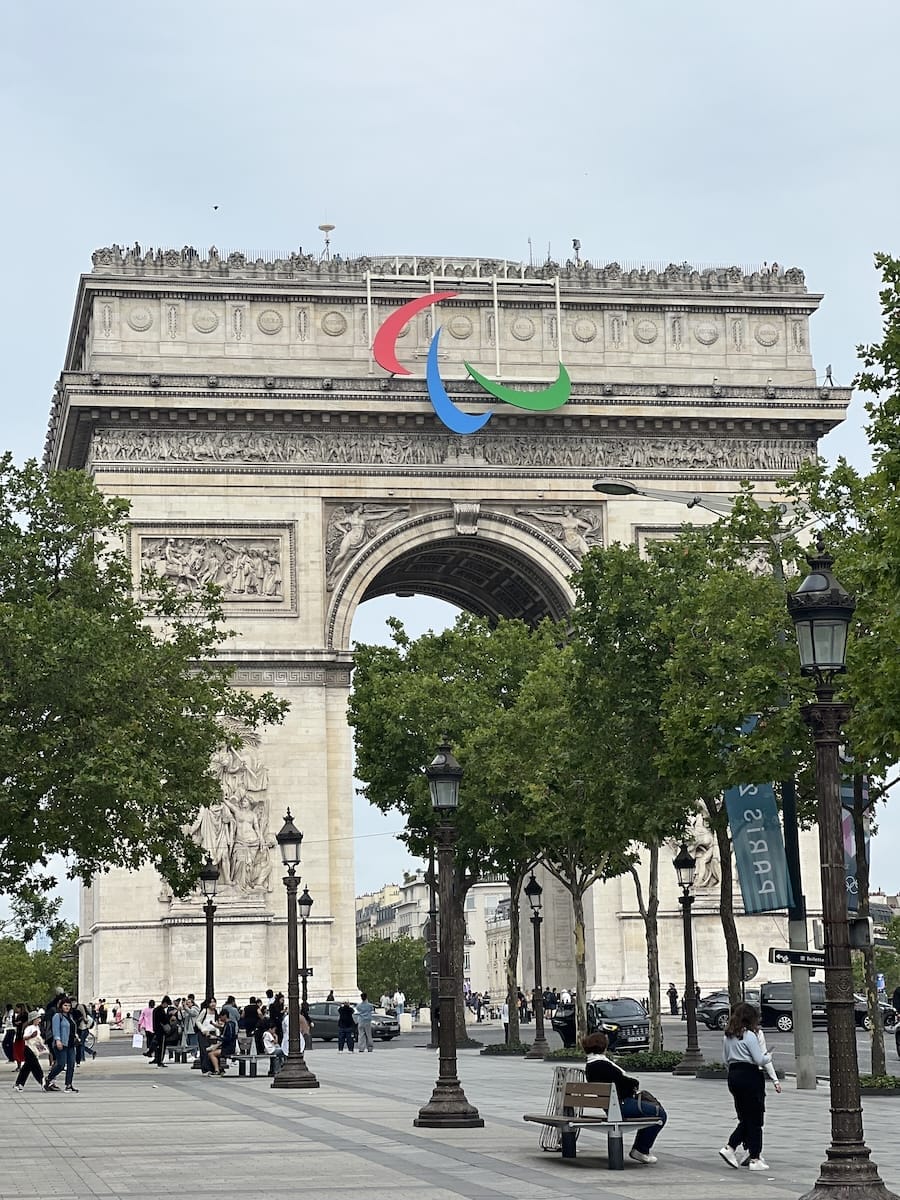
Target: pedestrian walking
[(162, 1027), (65, 1035), (504, 1017), (365, 1010), (346, 1027), (749, 1062), (9, 1033), (399, 1001), (145, 1026), (672, 993), (32, 1049)]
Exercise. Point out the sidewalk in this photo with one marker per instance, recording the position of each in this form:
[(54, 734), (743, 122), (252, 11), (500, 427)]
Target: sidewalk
[(136, 1131)]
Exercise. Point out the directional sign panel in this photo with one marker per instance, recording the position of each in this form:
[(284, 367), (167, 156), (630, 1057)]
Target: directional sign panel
[(797, 958)]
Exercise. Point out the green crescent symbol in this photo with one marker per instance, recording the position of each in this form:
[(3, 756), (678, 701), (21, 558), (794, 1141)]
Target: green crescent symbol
[(554, 396)]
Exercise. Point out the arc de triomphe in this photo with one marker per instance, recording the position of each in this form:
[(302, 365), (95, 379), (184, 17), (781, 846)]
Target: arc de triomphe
[(238, 406)]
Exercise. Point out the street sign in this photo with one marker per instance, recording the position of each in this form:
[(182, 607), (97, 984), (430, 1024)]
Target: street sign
[(797, 958), (307, 971), (749, 965)]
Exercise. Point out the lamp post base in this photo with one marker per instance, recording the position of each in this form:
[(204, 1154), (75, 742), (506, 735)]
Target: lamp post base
[(539, 1047), (691, 1061), (448, 1108), (295, 1074), (849, 1176)]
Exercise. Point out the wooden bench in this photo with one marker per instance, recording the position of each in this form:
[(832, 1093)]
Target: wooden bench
[(604, 1114)]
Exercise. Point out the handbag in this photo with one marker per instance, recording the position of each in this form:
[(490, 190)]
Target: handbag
[(645, 1097), (137, 1041)]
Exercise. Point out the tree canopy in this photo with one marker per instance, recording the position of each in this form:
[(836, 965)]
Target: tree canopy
[(111, 701)]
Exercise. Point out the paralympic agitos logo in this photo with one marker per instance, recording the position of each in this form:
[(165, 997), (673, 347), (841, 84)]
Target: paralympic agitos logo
[(384, 351)]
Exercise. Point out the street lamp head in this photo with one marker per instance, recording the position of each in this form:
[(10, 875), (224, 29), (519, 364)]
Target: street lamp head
[(615, 487), (209, 878), (443, 774), (685, 867), (533, 891), (304, 904), (289, 839), (821, 610)]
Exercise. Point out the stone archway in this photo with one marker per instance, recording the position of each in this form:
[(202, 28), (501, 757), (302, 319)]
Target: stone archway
[(499, 567)]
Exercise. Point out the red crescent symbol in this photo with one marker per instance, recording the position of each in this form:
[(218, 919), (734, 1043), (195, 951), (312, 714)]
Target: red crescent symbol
[(384, 348)]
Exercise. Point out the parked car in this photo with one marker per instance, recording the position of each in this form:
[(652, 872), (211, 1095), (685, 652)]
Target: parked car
[(714, 1009), (623, 1019), (324, 1017), (776, 1005), (861, 1008)]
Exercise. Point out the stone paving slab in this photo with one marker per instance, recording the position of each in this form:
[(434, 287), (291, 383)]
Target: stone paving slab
[(136, 1131)]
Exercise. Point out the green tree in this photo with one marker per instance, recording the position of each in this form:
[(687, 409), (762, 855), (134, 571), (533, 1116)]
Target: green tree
[(111, 703), (620, 659), (32, 976), (382, 966)]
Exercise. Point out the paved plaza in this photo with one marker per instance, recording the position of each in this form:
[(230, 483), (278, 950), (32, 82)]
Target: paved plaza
[(137, 1131)]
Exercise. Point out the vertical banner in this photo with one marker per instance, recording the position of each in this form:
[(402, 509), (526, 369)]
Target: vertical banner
[(758, 847), (851, 871)]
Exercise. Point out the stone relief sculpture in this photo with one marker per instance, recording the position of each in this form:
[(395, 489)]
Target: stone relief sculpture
[(427, 450), (577, 528), (245, 568), (702, 844), (111, 259), (234, 831), (348, 531)]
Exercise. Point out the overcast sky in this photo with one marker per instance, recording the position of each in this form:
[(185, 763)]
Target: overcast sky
[(651, 131)]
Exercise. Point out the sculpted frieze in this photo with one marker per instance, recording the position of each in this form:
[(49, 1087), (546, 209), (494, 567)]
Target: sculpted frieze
[(245, 568), (577, 529), (350, 528), (234, 831), (294, 447)]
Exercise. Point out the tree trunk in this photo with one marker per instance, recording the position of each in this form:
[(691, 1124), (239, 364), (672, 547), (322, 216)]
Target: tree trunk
[(726, 900), (461, 884), (649, 913), (512, 959), (876, 1030), (580, 967)]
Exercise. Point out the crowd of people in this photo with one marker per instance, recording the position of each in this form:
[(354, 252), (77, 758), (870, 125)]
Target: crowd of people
[(60, 1033), (215, 1034), (484, 1008)]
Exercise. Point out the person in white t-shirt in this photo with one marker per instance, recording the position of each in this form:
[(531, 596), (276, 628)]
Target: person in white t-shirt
[(399, 999), (565, 996), (273, 1048), (33, 1048)]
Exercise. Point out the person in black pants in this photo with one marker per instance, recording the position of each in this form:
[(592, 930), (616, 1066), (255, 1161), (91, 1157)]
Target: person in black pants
[(744, 1052), (346, 1027), (162, 1016)]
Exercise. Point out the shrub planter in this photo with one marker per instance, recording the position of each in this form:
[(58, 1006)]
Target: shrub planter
[(570, 1054), (879, 1085), (713, 1070), (501, 1050), (647, 1061)]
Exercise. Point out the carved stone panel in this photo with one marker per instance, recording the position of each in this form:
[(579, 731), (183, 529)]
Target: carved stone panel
[(576, 529), (234, 831), (254, 567), (349, 528)]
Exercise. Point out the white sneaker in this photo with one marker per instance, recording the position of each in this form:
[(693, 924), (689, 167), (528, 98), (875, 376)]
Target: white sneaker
[(730, 1157), (758, 1164), (20, 1087), (642, 1158)]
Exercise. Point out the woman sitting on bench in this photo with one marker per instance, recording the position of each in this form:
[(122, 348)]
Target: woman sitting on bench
[(632, 1101)]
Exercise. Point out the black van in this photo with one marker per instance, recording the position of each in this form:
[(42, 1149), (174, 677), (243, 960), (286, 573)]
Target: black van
[(776, 1005)]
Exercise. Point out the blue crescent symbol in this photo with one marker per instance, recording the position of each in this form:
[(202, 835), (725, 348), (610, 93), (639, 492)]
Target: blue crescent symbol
[(458, 422)]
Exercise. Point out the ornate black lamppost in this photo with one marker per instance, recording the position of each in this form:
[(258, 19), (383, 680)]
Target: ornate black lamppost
[(821, 610), (448, 1107), (539, 1047), (685, 868), (304, 906), (295, 1073), (209, 881)]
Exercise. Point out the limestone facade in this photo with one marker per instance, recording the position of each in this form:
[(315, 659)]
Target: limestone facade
[(236, 404)]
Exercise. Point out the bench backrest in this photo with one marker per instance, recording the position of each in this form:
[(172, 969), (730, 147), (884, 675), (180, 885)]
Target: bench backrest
[(592, 1097)]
